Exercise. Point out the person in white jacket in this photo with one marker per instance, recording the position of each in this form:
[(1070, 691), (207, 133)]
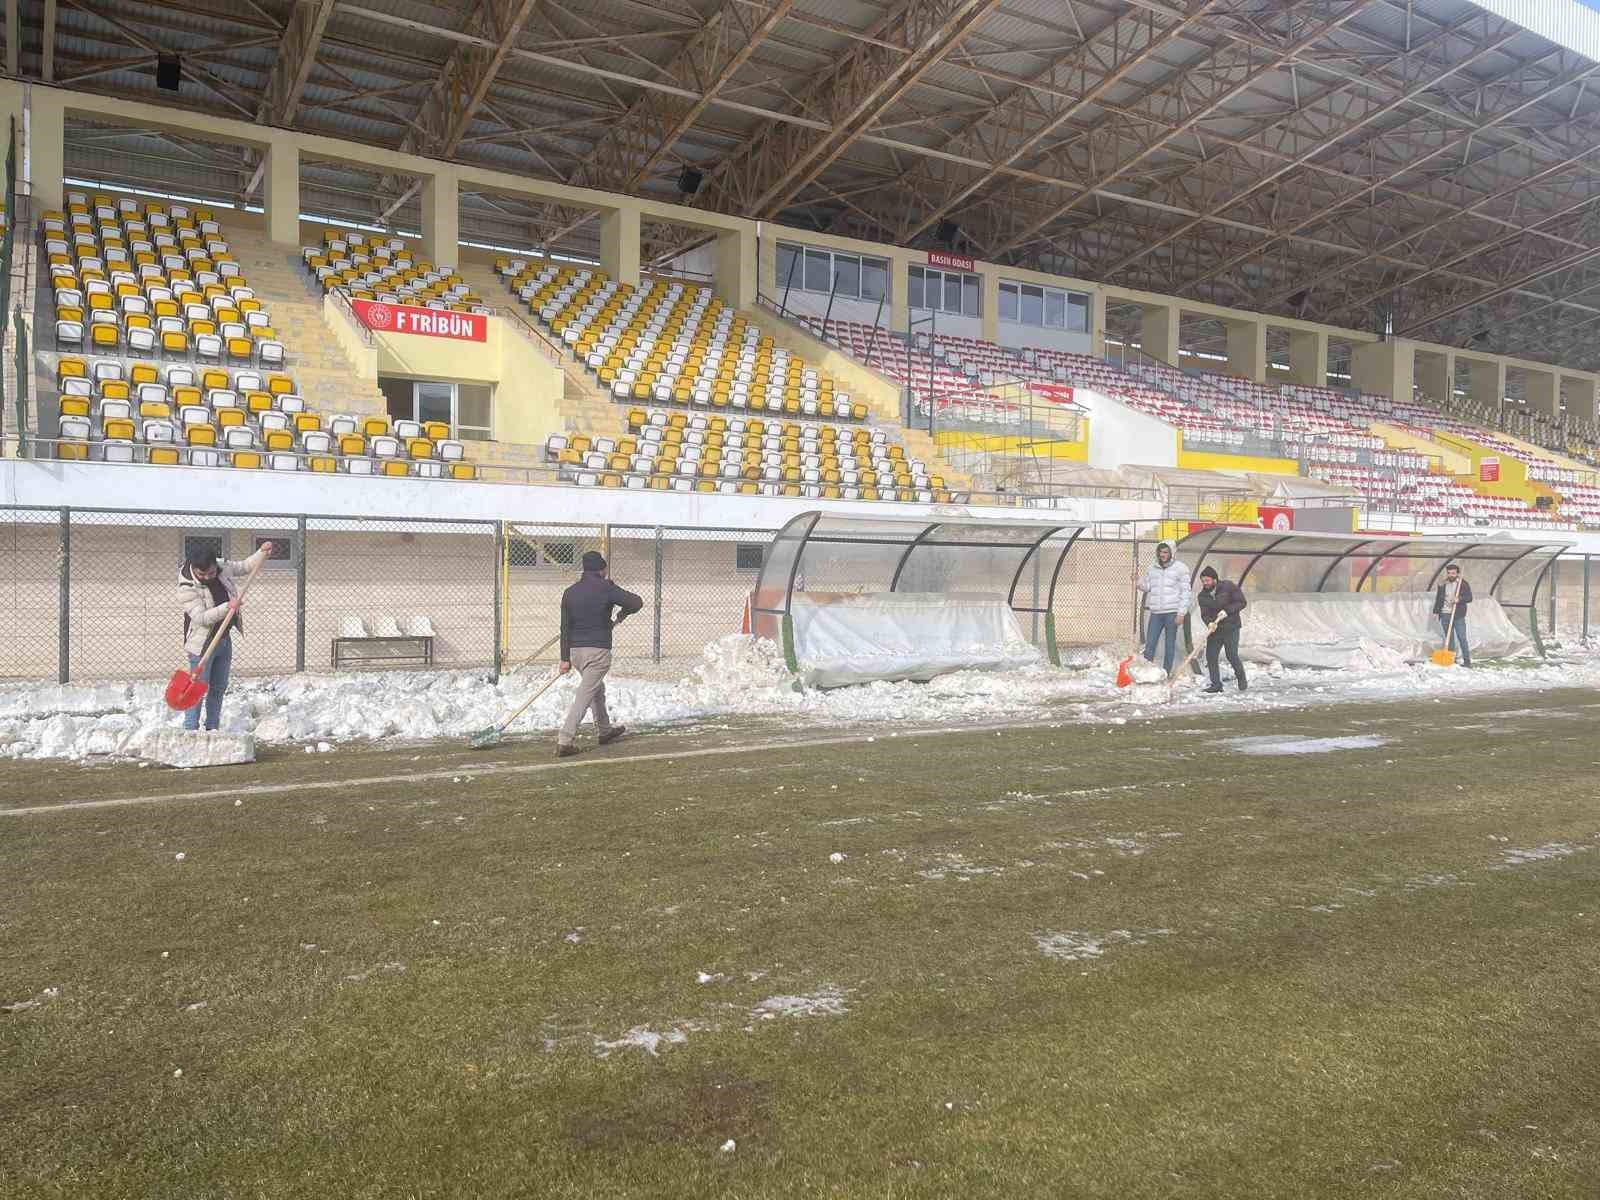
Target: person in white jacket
[(1168, 592), (208, 590)]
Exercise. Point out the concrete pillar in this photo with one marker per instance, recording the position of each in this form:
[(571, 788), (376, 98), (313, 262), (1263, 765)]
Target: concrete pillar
[(1158, 332), (1097, 323), (1487, 382), (282, 180), (1385, 368), (1578, 391), (736, 267), (441, 223), (989, 281), (899, 293), (46, 122), (619, 245), (1247, 350), (1542, 392), (1308, 357), (1436, 375)]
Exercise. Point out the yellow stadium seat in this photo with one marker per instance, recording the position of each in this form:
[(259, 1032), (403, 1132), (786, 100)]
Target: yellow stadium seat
[(164, 456), (248, 460), (322, 464), (393, 466), (463, 470)]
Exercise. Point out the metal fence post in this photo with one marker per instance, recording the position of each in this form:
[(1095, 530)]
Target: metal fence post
[(655, 641), (300, 597), (1555, 573), (1585, 637), (64, 613), (499, 557)]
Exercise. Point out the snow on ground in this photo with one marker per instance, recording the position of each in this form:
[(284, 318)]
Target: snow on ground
[(737, 677)]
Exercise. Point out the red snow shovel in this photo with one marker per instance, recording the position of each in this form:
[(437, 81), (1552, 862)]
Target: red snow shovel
[(186, 689)]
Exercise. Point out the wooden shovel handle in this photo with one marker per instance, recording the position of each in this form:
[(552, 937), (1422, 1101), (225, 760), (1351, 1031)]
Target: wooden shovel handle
[(222, 629)]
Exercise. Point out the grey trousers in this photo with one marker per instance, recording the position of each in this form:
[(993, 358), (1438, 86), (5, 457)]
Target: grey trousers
[(591, 664)]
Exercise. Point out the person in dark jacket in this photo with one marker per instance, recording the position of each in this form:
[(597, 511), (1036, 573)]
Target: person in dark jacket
[(1453, 595), (586, 644), (1221, 602)]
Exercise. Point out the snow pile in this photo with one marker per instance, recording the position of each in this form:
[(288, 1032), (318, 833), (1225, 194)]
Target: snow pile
[(1145, 671), (185, 748)]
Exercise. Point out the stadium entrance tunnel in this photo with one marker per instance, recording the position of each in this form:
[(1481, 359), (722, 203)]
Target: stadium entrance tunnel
[(1324, 591), (857, 599)]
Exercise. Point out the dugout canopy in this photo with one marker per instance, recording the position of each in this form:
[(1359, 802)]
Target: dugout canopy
[(855, 599), (1265, 563)]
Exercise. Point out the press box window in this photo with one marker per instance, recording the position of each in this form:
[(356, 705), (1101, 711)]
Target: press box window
[(829, 272), (945, 291), (1044, 307), (747, 556)]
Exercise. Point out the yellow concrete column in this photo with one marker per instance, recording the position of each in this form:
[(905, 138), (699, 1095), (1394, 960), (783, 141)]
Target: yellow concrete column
[(441, 222), (1386, 368), (1097, 323), (1488, 382), (899, 293), (767, 281), (283, 193), (990, 284), (619, 244), (736, 266), (1578, 391), (1247, 350), (1542, 392), (46, 146), (1308, 357), (1158, 332), (1436, 374)]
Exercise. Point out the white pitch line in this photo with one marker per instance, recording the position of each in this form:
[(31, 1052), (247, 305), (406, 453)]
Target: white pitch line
[(329, 785)]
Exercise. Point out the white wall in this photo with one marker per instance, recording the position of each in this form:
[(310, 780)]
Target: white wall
[(1121, 436), (946, 324), (1014, 335), (109, 485)]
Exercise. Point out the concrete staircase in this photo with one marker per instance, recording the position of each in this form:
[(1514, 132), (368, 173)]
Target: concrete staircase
[(322, 372), (585, 407)]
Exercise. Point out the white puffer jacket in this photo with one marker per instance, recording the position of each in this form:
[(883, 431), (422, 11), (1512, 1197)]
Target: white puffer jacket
[(1167, 589), (195, 599)]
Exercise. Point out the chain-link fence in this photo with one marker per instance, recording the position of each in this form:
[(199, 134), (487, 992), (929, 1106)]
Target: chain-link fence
[(91, 594), (1571, 606)]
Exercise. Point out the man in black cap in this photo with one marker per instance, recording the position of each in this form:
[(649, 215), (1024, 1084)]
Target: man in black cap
[(1221, 602), (586, 644)]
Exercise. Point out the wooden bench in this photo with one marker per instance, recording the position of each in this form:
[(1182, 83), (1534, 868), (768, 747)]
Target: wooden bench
[(383, 651)]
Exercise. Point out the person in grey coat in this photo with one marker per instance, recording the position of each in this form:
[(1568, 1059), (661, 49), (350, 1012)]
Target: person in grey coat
[(586, 645)]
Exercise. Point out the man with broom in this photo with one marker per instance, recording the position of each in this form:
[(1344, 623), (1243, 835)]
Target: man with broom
[(1450, 602), (586, 644)]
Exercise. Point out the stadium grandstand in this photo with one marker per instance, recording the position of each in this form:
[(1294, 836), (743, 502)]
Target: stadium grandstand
[(910, 254)]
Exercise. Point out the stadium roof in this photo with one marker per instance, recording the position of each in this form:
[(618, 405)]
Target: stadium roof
[(1425, 164)]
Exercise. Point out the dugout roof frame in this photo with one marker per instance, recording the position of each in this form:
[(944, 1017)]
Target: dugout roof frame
[(916, 554), (1514, 570)]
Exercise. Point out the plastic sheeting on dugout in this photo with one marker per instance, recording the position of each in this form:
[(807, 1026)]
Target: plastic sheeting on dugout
[(855, 599), (1275, 564)]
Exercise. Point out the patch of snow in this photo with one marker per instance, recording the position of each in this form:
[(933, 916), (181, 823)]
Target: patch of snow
[(1545, 853), (642, 1038), (1276, 744), (1077, 946), (826, 1001)]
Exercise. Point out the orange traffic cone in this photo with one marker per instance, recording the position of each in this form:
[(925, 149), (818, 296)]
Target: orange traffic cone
[(1123, 678), (746, 629)]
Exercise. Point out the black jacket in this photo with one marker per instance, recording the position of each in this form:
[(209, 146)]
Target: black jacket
[(586, 612), (1227, 598), (1464, 599)]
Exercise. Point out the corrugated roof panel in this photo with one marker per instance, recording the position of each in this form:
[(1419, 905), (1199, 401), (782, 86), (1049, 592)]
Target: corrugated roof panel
[(1567, 23)]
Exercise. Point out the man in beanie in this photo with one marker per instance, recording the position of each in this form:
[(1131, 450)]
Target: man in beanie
[(586, 644), (1221, 602)]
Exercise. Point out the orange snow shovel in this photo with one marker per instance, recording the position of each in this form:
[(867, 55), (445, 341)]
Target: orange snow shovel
[(186, 689), (1444, 656)]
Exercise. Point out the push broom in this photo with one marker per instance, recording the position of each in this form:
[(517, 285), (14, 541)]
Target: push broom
[(491, 735), (186, 689)]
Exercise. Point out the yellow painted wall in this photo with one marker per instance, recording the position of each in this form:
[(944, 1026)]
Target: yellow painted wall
[(527, 385), (1031, 447), (1513, 479), (1206, 460), (1451, 458)]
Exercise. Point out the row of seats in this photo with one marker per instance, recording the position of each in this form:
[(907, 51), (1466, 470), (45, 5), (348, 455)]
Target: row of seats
[(152, 279), (383, 268)]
